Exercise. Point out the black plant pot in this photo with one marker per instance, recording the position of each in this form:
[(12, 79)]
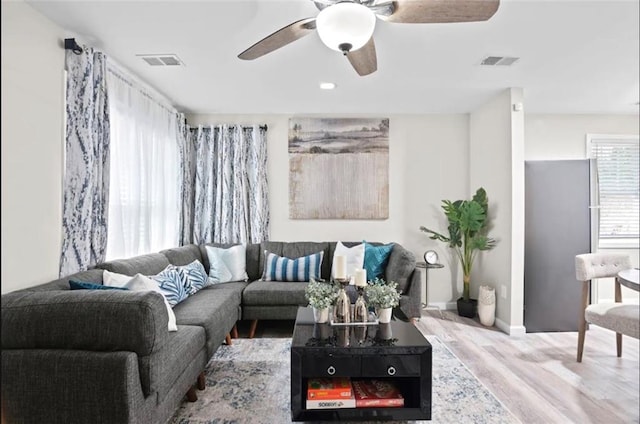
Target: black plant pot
[(468, 308)]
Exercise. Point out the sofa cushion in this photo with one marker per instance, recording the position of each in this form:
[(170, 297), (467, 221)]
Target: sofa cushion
[(274, 293), (83, 285), (150, 264), (354, 258), (183, 255), (172, 285), (227, 264), (401, 265), (193, 276), (297, 249), (167, 364), (305, 268), (376, 259), (215, 309)]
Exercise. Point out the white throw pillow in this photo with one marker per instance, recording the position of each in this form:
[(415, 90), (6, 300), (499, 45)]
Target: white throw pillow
[(139, 282), (226, 265), (355, 258)]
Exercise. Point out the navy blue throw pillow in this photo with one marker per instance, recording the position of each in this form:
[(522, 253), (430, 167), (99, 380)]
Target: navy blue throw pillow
[(83, 285)]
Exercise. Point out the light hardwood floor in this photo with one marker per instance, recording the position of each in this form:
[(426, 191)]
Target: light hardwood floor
[(537, 377)]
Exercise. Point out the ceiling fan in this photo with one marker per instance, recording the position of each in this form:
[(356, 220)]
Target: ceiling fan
[(347, 25)]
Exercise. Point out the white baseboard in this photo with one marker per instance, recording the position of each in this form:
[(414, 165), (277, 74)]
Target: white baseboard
[(445, 306), (512, 330)]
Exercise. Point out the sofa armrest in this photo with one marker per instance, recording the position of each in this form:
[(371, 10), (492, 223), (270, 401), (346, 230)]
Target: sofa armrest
[(411, 301), (95, 320), (72, 386)]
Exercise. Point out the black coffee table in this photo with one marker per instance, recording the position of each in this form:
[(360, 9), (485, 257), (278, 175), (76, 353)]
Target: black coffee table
[(396, 351)]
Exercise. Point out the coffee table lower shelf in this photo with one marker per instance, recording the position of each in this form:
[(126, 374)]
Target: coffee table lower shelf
[(358, 414)]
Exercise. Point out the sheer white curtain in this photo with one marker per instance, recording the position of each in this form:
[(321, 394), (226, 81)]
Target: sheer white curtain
[(145, 171)]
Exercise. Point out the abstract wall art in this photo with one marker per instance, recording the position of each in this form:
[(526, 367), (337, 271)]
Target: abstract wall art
[(338, 168)]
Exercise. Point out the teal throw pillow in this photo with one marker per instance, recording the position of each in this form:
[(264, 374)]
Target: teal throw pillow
[(279, 268), (83, 285), (375, 259)]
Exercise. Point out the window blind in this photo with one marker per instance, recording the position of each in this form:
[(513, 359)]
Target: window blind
[(618, 185)]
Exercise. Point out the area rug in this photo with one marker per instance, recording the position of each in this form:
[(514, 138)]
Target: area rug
[(248, 382)]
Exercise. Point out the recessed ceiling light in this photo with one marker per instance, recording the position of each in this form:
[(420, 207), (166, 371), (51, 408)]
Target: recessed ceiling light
[(327, 85)]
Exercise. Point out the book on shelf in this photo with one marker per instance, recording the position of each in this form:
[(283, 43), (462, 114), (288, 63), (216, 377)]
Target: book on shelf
[(376, 394), (331, 403), (329, 388)]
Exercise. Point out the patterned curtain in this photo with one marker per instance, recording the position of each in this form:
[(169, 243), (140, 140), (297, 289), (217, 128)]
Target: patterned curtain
[(188, 178), (226, 175), (86, 179)]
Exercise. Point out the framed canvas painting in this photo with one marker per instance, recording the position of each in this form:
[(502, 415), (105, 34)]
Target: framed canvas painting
[(339, 168)]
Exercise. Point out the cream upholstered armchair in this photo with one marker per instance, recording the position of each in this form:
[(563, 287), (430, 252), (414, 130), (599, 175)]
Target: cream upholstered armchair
[(618, 317)]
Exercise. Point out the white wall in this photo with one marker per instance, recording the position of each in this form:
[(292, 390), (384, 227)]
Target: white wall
[(428, 162), (497, 164), (32, 134), (555, 137)]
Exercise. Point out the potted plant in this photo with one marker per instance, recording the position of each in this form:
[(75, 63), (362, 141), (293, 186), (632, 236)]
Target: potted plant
[(468, 221), (320, 295), (383, 296)]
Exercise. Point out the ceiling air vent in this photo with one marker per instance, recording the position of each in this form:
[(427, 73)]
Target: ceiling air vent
[(499, 61), (161, 59)]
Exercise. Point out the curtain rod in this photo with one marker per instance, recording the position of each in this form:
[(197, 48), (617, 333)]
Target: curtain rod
[(205, 126)]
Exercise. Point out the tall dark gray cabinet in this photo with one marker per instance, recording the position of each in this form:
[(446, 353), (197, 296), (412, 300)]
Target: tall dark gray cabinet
[(557, 228)]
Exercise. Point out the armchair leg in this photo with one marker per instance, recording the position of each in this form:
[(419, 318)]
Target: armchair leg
[(618, 298), (252, 329), (583, 322), (227, 339), (234, 332)]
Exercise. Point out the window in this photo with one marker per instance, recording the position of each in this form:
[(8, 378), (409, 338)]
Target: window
[(144, 170), (616, 186)]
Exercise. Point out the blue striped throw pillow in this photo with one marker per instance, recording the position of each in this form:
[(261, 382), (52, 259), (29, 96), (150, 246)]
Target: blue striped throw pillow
[(278, 268)]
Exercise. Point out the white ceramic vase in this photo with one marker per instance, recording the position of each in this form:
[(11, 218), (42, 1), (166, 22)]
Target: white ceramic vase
[(321, 315), (384, 315), (487, 305)]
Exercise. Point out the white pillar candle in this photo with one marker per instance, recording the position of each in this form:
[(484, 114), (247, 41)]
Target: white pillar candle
[(341, 267), (361, 277)]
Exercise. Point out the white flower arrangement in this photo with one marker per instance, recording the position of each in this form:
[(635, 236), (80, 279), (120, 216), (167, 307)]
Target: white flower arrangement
[(321, 294), (382, 294)]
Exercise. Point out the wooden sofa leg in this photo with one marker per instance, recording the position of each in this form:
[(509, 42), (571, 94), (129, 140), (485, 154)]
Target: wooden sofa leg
[(191, 395), (227, 339), (252, 329), (234, 332), (201, 381)]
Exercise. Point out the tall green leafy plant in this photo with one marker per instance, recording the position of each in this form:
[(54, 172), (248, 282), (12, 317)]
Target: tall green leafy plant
[(468, 221)]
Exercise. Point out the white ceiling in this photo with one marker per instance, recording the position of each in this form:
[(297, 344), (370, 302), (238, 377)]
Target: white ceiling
[(576, 57)]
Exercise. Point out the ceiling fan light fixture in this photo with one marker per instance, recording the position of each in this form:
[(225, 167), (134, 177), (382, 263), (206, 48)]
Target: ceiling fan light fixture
[(345, 26)]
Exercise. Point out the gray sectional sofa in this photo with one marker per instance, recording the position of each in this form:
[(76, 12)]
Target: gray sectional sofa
[(105, 356)]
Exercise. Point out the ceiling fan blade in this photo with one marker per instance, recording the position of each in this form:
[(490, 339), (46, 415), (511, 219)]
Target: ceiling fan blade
[(442, 11), (280, 38), (364, 59)]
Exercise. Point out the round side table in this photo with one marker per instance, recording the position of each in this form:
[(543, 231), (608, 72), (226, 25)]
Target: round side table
[(427, 267)]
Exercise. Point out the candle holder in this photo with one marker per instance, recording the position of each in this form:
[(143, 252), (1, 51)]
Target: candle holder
[(360, 310), (342, 308)]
